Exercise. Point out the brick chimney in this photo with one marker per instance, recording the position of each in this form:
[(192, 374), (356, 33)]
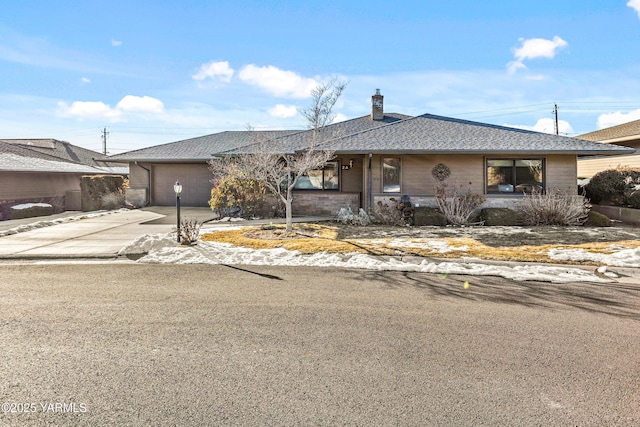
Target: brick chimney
[(377, 104)]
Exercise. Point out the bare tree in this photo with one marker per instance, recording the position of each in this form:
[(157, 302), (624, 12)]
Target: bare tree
[(279, 163)]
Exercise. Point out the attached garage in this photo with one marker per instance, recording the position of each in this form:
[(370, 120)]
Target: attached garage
[(196, 188)]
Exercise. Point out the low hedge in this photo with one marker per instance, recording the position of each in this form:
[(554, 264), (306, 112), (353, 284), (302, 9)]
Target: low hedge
[(31, 210), (428, 216), (498, 216), (596, 219)]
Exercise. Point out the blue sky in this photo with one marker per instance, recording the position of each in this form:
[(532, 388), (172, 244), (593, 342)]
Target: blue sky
[(153, 72)]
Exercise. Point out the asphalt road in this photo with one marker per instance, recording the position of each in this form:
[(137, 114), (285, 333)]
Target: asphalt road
[(127, 344)]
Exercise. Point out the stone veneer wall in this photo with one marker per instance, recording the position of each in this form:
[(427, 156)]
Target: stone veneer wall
[(323, 202), (625, 215)]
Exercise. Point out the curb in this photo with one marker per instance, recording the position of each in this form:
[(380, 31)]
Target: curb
[(16, 257)]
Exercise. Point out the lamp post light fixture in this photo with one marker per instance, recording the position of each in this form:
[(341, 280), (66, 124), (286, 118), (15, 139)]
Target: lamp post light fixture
[(177, 187)]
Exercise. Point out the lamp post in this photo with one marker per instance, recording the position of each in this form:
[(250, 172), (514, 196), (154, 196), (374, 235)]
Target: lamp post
[(178, 189)]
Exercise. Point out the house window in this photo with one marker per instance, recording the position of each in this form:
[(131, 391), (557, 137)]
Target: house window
[(391, 175), (327, 178), (515, 176)]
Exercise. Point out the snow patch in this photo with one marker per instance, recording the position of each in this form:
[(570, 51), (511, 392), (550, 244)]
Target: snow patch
[(620, 257), (47, 223), (163, 249), (31, 205)]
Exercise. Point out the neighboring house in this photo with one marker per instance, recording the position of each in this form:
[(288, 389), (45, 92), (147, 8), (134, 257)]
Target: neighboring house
[(624, 135), (377, 157), (48, 170)]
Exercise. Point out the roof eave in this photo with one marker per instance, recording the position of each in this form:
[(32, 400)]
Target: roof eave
[(158, 160), (492, 152)]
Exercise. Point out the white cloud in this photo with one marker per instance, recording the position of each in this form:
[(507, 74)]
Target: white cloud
[(85, 80), (278, 82), (116, 43), (144, 104), (89, 110), (547, 125), (100, 110), (535, 48), (283, 111), (215, 71), (635, 5), (613, 119), (340, 118)]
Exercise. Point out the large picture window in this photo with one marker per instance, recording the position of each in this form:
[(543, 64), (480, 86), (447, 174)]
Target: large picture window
[(327, 178), (391, 175), (515, 176)]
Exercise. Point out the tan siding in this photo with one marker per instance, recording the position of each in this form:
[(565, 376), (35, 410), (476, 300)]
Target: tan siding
[(416, 175), (466, 171), (376, 174), (351, 179), (26, 185), (417, 178), (138, 176), (196, 188), (561, 173), (589, 167)]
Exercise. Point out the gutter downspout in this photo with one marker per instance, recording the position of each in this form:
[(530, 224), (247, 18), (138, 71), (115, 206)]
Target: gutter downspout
[(369, 195), (148, 201)]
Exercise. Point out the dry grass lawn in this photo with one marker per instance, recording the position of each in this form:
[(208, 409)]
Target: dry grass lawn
[(312, 238)]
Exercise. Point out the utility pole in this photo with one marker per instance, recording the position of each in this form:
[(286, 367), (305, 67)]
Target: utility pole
[(555, 113), (104, 140)]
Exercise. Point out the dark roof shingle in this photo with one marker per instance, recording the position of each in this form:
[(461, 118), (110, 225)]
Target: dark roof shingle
[(51, 155), (396, 133), (624, 130), (436, 134), (196, 149)]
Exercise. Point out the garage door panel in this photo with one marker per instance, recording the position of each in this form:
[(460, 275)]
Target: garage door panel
[(196, 188)]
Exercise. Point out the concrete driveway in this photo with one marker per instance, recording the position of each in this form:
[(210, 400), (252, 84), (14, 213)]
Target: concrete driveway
[(99, 235)]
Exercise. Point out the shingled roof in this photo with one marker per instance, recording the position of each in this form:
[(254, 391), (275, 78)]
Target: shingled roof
[(301, 140), (395, 133), (51, 155), (445, 135), (630, 130), (197, 149), (16, 158)]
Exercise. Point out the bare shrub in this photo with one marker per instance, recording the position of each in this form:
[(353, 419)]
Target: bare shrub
[(111, 201), (387, 214), (456, 205), (56, 202), (94, 187), (554, 208), (189, 231)]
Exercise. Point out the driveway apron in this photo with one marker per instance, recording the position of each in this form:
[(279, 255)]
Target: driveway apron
[(101, 236)]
